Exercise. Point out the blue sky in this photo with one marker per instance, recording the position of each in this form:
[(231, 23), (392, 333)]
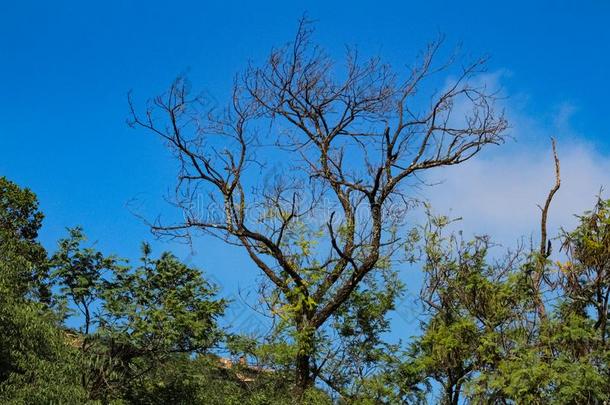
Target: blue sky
[(67, 66)]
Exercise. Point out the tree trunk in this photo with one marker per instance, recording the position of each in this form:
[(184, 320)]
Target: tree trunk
[(305, 347), (303, 378)]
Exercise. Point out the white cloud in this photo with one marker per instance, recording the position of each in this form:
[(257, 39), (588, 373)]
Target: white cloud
[(499, 196), (497, 192)]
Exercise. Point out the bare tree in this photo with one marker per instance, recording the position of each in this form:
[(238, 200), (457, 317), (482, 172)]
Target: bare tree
[(538, 275), (338, 145)]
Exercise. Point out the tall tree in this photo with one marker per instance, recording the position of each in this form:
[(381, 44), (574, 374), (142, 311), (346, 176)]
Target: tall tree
[(36, 364), (334, 149)]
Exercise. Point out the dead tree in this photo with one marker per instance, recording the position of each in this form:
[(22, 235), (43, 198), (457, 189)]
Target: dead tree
[(538, 275), (301, 141)]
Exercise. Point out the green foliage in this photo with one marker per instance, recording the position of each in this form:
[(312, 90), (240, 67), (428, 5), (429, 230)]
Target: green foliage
[(149, 334), (569, 375), (25, 258), (20, 220), (485, 339), (36, 364), (162, 306), (80, 274), (360, 349), (134, 320), (585, 277)]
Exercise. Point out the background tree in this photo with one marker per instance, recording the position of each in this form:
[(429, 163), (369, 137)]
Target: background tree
[(133, 319), (36, 365), (560, 357), (158, 310), (346, 142), (517, 329), (586, 276), (20, 221)]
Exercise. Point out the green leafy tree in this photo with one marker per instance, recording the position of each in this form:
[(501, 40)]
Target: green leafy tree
[(37, 366), (564, 357), (471, 306), (133, 319), (486, 337), (20, 221), (80, 274), (585, 277), (159, 309)]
